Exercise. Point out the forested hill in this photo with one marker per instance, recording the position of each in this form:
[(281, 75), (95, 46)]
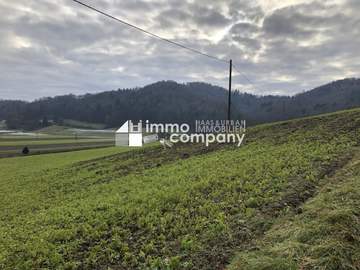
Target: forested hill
[(169, 101)]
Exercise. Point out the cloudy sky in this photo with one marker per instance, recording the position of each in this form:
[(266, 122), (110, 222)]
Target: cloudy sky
[(53, 47)]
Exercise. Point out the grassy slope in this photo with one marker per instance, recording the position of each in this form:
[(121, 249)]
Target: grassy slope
[(19, 174), (55, 129), (325, 235), (13, 169), (80, 124), (163, 210)]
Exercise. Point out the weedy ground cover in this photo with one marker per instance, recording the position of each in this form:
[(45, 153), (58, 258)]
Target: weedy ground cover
[(186, 208), (325, 235)]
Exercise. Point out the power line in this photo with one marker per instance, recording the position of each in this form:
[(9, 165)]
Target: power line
[(189, 49), (247, 79), (149, 33)]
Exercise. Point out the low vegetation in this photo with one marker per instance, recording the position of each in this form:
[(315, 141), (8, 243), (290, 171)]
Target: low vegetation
[(190, 207), (325, 235), (80, 124)]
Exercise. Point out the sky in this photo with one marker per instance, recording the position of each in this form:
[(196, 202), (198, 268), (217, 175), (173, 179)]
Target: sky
[(56, 47)]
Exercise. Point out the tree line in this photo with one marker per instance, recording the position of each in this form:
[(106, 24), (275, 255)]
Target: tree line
[(168, 101)]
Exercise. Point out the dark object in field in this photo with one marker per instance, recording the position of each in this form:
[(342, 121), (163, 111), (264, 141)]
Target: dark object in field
[(185, 155), (25, 150)]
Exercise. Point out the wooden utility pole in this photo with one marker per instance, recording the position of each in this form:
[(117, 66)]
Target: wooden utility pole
[(229, 98)]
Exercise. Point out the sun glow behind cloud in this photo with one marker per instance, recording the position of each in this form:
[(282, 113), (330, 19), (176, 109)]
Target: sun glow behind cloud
[(270, 5), (20, 42)]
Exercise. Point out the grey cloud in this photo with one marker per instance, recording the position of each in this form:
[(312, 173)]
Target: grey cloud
[(209, 17), (283, 24), (170, 18), (71, 49), (244, 29), (252, 44), (246, 10), (174, 17), (245, 34), (304, 21)]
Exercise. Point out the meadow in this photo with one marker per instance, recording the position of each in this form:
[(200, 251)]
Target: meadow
[(286, 199), (53, 139)]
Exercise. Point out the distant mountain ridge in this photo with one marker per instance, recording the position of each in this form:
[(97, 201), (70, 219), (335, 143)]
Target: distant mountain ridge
[(168, 101)]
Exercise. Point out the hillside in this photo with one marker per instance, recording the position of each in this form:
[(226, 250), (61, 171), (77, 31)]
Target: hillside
[(324, 235), (172, 102), (190, 207)]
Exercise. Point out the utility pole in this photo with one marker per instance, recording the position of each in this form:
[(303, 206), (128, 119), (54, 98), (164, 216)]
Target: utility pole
[(229, 98)]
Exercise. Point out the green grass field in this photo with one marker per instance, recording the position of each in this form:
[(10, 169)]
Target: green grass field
[(53, 139), (29, 142), (325, 235), (287, 199)]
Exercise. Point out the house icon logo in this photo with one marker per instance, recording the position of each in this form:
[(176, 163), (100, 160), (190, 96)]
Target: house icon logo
[(129, 134), (167, 134)]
